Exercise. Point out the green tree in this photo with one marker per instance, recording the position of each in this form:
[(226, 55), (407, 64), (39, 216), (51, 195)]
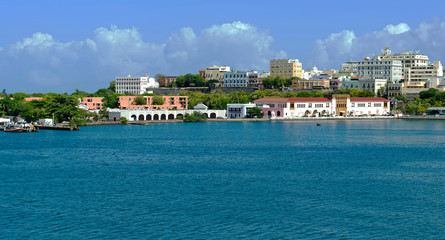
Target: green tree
[(157, 100), (139, 100), (112, 101), (428, 93), (255, 112), (195, 117)]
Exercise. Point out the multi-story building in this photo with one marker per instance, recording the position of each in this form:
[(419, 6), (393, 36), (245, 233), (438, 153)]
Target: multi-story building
[(216, 73), (422, 73), (303, 84), (394, 89), (238, 110), (202, 73), (92, 103), (350, 68), (170, 102), (351, 82), (241, 79), (378, 68), (375, 85), (336, 105), (134, 85), (286, 68), (335, 83)]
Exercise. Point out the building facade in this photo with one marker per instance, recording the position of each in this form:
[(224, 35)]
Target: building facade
[(241, 79), (92, 103), (216, 73), (378, 68), (336, 105), (134, 85), (167, 81), (170, 102), (286, 68), (238, 110), (303, 84), (375, 85)]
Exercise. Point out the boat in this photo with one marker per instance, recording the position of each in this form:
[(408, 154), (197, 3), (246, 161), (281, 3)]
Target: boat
[(14, 128)]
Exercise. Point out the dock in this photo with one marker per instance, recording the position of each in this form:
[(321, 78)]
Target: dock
[(63, 128)]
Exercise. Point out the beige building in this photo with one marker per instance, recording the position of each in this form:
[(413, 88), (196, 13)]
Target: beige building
[(423, 73), (303, 84), (216, 73), (286, 68)]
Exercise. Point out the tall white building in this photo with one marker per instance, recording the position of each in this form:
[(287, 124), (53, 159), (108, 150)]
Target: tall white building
[(378, 68), (135, 85)]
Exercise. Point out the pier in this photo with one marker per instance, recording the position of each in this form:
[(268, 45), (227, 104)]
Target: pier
[(64, 128)]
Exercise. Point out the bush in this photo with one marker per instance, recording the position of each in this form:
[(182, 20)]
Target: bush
[(195, 117), (123, 120)]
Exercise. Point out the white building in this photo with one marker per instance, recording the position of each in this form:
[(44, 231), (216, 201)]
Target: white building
[(378, 68), (135, 85), (241, 79), (373, 85), (238, 110)]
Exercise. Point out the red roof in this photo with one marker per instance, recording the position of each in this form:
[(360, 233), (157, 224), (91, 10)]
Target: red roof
[(368, 99), (308, 99), (271, 99)]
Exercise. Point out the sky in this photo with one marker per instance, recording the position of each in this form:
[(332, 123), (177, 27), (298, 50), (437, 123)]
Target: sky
[(61, 46)]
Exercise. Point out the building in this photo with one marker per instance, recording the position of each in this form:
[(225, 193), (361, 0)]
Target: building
[(92, 103), (378, 68), (160, 115), (350, 68), (170, 102), (202, 73), (303, 84), (351, 82), (238, 110), (394, 89), (167, 81), (216, 73), (377, 86), (335, 83), (28, 99), (336, 105), (286, 68), (423, 73), (241, 79), (135, 85)]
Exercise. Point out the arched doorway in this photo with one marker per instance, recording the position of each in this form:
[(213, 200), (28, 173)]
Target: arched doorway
[(269, 114), (171, 117), (278, 113), (212, 115), (141, 117), (156, 117), (133, 117), (148, 117), (163, 117), (205, 114)]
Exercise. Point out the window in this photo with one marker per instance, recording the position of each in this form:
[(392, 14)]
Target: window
[(369, 104)]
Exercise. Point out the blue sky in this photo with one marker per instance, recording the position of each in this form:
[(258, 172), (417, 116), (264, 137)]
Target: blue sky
[(60, 46)]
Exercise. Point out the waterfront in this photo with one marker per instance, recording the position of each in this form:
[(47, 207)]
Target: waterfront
[(376, 179)]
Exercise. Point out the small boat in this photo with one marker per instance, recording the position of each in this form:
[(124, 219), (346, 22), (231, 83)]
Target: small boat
[(14, 128)]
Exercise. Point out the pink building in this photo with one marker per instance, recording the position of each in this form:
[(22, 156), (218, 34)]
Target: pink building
[(92, 103), (28, 99), (170, 102)]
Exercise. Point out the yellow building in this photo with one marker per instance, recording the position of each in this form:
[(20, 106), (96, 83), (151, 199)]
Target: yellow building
[(286, 68)]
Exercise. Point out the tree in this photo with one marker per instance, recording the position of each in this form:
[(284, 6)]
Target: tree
[(255, 112), (307, 112), (402, 98), (139, 100), (157, 100), (428, 93), (112, 86), (195, 117)]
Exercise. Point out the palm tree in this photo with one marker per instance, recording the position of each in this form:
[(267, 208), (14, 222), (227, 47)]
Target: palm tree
[(307, 112), (323, 112), (315, 112)]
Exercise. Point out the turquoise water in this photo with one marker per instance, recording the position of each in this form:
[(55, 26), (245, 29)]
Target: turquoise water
[(382, 179)]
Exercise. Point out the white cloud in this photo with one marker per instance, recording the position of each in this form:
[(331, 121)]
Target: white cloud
[(44, 64), (397, 29), (428, 38)]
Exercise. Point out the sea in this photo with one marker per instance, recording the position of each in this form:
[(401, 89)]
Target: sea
[(350, 179)]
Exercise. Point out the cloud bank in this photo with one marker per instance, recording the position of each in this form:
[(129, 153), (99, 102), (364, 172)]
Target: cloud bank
[(428, 38), (40, 63)]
